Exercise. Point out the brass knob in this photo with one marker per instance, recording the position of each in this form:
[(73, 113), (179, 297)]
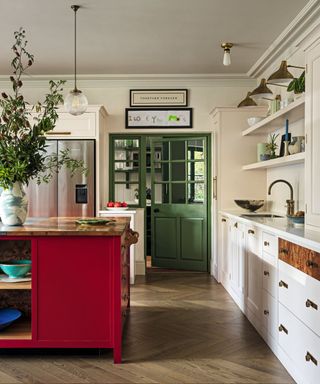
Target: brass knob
[(284, 250), (266, 273), (266, 243), (266, 312), (223, 220)]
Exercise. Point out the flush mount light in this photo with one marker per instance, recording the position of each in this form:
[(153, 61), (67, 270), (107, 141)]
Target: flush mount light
[(282, 75), (262, 91), (76, 102), (247, 102), (226, 56)]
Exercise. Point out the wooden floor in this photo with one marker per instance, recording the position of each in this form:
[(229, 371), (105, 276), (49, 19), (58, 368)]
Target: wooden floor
[(183, 328)]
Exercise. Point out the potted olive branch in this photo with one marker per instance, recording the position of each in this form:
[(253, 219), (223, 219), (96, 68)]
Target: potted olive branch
[(23, 145)]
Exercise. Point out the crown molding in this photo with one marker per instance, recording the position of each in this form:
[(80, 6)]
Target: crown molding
[(139, 80), (289, 41)]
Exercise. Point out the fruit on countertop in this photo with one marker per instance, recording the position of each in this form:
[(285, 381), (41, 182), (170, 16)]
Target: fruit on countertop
[(116, 204)]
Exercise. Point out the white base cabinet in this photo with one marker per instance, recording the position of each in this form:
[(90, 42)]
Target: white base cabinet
[(281, 301)]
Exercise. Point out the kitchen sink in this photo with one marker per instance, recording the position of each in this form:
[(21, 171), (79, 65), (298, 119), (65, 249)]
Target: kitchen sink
[(262, 215)]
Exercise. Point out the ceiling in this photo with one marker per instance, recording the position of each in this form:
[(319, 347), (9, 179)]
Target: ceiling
[(144, 36)]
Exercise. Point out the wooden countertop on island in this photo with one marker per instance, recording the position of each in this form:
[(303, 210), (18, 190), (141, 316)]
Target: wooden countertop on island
[(65, 226)]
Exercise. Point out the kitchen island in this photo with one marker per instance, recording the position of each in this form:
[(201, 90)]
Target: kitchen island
[(79, 293)]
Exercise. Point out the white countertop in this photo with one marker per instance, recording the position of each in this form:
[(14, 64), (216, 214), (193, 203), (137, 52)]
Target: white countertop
[(280, 227)]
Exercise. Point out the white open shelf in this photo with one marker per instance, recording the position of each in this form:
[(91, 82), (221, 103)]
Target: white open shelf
[(278, 162), (293, 112)]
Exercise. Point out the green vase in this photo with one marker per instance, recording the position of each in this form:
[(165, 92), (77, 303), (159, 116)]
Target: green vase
[(13, 205)]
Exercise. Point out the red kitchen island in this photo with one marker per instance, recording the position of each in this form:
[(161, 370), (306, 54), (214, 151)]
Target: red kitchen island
[(79, 293)]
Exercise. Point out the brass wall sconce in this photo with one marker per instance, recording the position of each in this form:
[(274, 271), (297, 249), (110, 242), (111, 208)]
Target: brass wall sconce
[(282, 75), (262, 91), (247, 102)]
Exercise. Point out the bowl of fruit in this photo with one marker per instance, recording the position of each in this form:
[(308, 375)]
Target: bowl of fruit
[(116, 206), (297, 218)]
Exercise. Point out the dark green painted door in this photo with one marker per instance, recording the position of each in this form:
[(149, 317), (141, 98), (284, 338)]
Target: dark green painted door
[(179, 203)]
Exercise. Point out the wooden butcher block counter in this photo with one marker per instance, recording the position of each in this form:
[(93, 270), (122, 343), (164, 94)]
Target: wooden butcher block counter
[(79, 294)]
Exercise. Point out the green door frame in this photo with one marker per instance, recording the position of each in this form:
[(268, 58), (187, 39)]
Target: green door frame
[(142, 173)]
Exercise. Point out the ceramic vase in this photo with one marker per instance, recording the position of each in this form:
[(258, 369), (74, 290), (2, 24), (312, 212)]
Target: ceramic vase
[(13, 205)]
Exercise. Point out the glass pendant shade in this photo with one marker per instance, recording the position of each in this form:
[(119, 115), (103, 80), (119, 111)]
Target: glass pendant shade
[(282, 75), (262, 91), (75, 103), (247, 102)]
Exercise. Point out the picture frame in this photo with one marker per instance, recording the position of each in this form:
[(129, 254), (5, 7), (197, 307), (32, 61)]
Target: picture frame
[(158, 98), (158, 118)]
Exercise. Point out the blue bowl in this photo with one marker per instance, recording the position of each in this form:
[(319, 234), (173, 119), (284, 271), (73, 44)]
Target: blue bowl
[(16, 268), (8, 316)]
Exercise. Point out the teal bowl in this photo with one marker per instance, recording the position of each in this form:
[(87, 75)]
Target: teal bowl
[(16, 268)]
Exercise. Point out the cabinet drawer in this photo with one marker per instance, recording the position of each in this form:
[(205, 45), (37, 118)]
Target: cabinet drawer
[(304, 259), (270, 275), (270, 314), (301, 294), (74, 126), (300, 344), (270, 244)]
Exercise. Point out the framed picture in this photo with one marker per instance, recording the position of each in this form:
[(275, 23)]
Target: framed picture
[(159, 118), (158, 97)]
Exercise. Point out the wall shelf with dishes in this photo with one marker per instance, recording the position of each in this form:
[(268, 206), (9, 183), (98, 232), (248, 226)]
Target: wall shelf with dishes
[(277, 162), (15, 290), (293, 112)]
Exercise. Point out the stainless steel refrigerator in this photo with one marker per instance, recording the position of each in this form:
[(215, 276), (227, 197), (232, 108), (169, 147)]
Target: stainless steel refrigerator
[(64, 195)]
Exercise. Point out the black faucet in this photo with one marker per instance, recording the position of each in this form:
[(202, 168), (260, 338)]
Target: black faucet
[(290, 203)]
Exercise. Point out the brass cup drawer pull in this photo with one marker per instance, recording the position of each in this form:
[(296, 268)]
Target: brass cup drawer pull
[(251, 231), (266, 273), (266, 312), (266, 243), (309, 357), (283, 284), (284, 250), (282, 328), (311, 304), (311, 264)]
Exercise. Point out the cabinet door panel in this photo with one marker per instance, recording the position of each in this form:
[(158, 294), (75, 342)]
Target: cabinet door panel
[(74, 289), (254, 282)]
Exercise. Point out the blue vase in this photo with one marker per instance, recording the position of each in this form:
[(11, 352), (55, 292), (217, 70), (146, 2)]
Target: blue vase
[(13, 205)]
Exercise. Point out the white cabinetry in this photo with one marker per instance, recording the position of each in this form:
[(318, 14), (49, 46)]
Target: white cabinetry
[(313, 138)]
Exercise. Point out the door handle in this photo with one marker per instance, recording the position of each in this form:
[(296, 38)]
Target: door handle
[(156, 210)]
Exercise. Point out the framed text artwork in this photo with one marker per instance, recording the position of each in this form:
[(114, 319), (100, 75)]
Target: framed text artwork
[(159, 118), (158, 97)]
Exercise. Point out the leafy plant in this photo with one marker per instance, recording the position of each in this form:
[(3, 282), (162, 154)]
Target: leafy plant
[(22, 138), (297, 85), (272, 146)]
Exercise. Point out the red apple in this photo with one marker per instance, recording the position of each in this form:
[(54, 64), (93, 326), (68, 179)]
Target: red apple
[(110, 204), (117, 204), (124, 204)]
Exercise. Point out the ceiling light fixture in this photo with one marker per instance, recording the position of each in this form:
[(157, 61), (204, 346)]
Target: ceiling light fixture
[(282, 75), (226, 56), (76, 102), (247, 102)]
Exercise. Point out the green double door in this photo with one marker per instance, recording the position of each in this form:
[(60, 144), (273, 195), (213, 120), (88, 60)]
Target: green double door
[(179, 203)]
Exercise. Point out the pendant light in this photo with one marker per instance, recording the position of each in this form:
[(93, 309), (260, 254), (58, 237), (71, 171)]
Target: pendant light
[(76, 102), (226, 55)]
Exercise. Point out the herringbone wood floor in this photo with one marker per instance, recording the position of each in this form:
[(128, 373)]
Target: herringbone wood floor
[(183, 328)]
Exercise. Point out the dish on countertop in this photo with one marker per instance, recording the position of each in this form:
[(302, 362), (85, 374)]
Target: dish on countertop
[(94, 221), (251, 205), (117, 208)]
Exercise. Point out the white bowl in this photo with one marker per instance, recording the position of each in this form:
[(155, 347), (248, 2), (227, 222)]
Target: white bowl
[(254, 120)]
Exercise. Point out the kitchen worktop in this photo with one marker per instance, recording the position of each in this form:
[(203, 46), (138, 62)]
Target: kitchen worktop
[(65, 226), (280, 227)]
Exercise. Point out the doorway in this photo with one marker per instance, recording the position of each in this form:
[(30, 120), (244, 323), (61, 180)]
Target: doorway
[(167, 175)]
